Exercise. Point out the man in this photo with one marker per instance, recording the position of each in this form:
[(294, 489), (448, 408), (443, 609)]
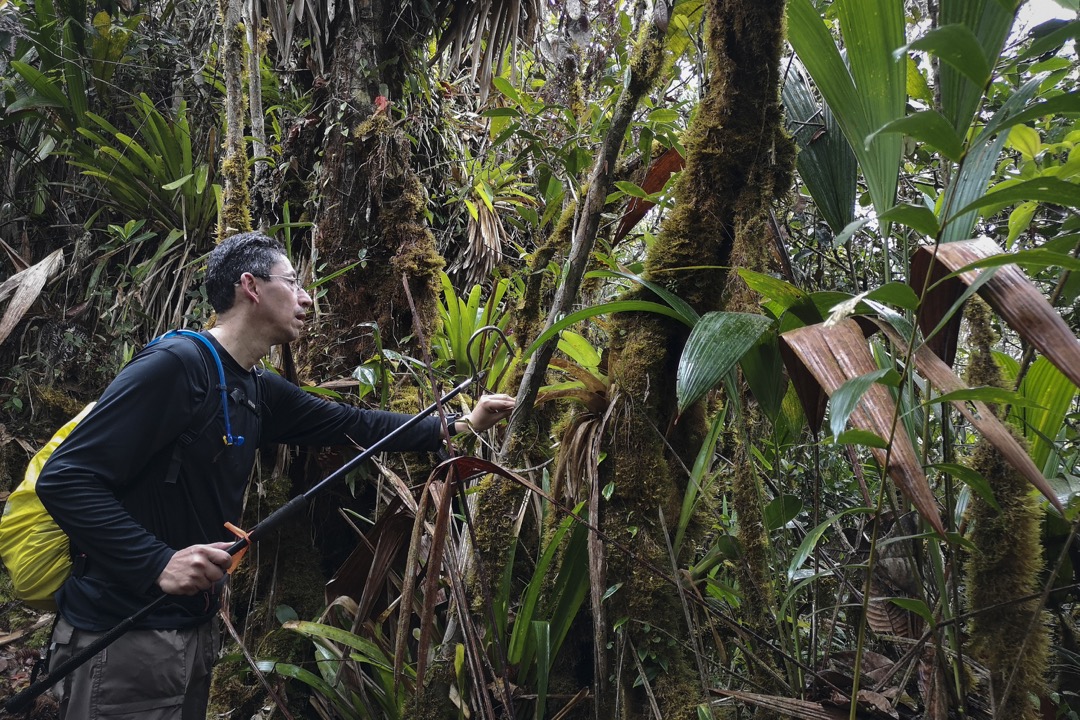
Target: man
[(145, 510)]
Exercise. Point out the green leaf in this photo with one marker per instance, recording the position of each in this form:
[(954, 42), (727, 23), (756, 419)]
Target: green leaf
[(930, 127), (1025, 140), (779, 291), (688, 314), (611, 307), (844, 401), (916, 606), (978, 484), (825, 161), (1053, 394), (1042, 189), (763, 369), (631, 189), (863, 438), (989, 22), (175, 184), (957, 45), (850, 229), (506, 88), (895, 293), (663, 115), (715, 344), (917, 217), (806, 547), (782, 510)]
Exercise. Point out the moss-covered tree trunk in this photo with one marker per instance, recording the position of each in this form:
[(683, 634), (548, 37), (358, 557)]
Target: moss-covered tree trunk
[(738, 161)]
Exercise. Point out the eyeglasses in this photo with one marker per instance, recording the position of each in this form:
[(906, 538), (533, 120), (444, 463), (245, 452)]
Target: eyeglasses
[(291, 280)]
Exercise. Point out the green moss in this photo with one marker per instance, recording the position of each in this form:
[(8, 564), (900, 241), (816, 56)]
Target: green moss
[(236, 201), (1007, 560)]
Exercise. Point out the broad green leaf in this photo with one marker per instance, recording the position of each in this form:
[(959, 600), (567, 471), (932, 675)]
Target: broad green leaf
[(895, 293), (578, 349), (1053, 39), (917, 217), (1053, 394), (806, 547), (687, 313), (1025, 140), (957, 45), (316, 683), (774, 289), (825, 161), (782, 510), (869, 95), (700, 471), (763, 369), (663, 115), (917, 87), (1041, 189), (715, 344), (850, 229), (844, 401), (1057, 105), (930, 127), (503, 112), (988, 22), (1020, 220), (978, 484), (506, 88)]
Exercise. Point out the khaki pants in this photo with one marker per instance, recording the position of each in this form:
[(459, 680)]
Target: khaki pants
[(145, 674)]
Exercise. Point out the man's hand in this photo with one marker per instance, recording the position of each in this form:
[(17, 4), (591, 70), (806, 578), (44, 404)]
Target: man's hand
[(489, 410), (195, 569)]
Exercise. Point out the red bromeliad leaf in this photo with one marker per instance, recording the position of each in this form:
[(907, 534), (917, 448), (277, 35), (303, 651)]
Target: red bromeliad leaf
[(658, 174)]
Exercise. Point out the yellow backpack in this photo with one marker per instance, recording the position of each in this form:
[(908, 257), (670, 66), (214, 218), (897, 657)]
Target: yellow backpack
[(32, 545), (36, 552)]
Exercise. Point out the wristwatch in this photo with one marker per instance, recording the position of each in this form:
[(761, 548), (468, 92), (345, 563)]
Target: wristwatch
[(451, 420)]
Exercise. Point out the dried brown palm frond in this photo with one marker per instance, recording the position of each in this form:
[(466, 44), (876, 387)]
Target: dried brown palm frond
[(1009, 291), (483, 33), (820, 359)]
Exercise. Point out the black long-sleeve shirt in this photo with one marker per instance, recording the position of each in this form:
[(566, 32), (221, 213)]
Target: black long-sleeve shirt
[(106, 483)]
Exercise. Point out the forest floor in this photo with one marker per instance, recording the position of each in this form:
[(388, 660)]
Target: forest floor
[(24, 634)]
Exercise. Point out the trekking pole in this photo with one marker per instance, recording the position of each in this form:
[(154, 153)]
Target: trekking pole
[(21, 700)]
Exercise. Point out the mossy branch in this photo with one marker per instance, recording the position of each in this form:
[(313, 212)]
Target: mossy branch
[(645, 66)]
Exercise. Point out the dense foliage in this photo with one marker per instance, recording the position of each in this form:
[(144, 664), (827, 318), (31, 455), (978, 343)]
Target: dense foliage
[(793, 318)]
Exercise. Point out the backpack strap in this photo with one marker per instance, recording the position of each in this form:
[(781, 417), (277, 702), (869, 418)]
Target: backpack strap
[(207, 411)]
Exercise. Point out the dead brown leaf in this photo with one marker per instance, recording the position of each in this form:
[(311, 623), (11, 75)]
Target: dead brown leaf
[(24, 288), (832, 355), (1009, 291)]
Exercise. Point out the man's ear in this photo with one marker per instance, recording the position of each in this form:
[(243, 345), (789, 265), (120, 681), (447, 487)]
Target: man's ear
[(247, 289)]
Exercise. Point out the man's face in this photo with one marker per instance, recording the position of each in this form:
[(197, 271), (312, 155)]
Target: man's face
[(283, 301)]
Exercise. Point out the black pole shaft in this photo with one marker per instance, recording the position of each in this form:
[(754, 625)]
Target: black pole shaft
[(21, 700)]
